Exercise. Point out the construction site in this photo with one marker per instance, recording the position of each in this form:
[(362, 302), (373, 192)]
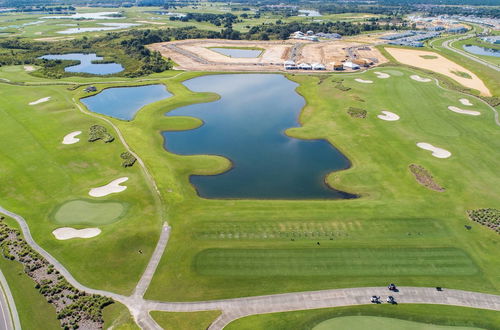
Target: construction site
[(300, 55)]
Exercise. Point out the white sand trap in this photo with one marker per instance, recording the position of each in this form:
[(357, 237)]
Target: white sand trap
[(29, 68), (389, 116), (110, 188), (465, 102), (71, 137), (418, 78), (364, 81), (464, 112), (382, 75), (64, 233), (45, 99), (436, 152)]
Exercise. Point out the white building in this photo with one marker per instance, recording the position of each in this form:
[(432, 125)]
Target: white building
[(305, 66), (290, 65), (318, 66), (350, 65)]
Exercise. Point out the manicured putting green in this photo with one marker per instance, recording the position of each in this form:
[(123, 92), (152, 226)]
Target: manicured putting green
[(340, 262), (83, 212), (379, 323)]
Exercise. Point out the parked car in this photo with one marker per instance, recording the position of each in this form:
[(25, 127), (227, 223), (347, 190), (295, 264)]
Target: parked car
[(391, 300), (375, 300)]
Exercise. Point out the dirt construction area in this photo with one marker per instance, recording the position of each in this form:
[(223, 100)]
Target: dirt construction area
[(434, 62), (196, 55)]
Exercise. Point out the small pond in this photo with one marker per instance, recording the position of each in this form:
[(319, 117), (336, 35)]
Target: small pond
[(124, 102), (86, 65), (478, 50), (103, 27), (97, 15), (238, 52), (246, 125)]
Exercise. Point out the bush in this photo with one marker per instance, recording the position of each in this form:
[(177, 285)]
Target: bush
[(357, 112), (128, 159), (97, 132), (488, 217)]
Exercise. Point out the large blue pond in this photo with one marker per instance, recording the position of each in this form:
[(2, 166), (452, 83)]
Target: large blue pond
[(478, 50), (86, 65), (247, 126), (124, 102)]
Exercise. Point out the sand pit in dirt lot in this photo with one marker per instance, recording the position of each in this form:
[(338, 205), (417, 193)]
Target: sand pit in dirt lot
[(42, 100), (65, 233), (416, 77), (464, 112), (111, 188), (440, 65), (382, 75), (388, 116), (364, 81), (465, 102), (436, 152)]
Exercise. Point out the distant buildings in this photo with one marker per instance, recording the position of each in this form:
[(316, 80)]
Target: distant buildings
[(311, 36), (459, 29), (492, 39), (351, 65), (411, 38)]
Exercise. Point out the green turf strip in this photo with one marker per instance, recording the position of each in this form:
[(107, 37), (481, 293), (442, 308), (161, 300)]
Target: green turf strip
[(379, 323), (81, 212), (336, 261)]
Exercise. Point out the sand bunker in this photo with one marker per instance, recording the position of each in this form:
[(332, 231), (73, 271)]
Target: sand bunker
[(389, 116), (110, 188), (69, 233), (436, 152), (45, 99), (382, 75), (465, 102), (464, 112), (364, 81), (418, 78), (29, 68), (70, 138), (437, 63)]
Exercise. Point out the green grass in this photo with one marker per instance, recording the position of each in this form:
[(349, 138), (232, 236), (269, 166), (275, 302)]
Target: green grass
[(31, 306), (117, 316), (40, 173), (394, 212), (342, 262), (86, 212), (428, 57), (462, 74), (181, 320), (391, 198), (379, 323), (429, 314)]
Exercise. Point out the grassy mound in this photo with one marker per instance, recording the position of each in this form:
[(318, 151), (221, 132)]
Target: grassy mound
[(83, 212)]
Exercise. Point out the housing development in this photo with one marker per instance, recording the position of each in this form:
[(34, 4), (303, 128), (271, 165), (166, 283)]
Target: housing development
[(207, 164)]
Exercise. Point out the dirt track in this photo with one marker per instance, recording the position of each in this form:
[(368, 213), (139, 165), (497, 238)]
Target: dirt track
[(195, 55)]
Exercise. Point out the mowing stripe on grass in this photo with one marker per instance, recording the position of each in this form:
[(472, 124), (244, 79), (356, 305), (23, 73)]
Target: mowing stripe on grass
[(339, 262)]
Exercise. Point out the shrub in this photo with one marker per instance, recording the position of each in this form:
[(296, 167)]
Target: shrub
[(98, 132), (488, 217), (128, 159), (356, 112)]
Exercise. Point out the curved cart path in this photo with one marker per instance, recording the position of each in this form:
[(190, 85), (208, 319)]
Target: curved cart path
[(239, 307)]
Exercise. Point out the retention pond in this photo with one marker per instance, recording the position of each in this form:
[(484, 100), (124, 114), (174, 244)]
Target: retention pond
[(247, 125), (87, 63)]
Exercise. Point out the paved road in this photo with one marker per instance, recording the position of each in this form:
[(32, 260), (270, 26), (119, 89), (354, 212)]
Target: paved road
[(446, 45), (240, 307)]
